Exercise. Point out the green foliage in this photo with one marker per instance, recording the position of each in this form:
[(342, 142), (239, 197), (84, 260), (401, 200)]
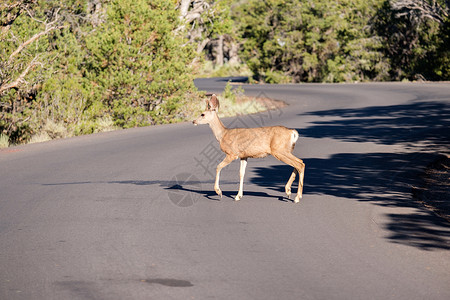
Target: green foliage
[(81, 66), (441, 58), (417, 47), (227, 70), (119, 64), (310, 41), (138, 65), (231, 93), (218, 19), (339, 41)]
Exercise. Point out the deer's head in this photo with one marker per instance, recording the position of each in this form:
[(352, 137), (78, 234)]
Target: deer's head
[(212, 107)]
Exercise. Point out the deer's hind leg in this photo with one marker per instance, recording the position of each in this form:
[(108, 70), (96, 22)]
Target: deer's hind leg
[(289, 183), (299, 167)]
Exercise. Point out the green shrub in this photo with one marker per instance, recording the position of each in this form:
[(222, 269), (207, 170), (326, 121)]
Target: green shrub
[(124, 65)]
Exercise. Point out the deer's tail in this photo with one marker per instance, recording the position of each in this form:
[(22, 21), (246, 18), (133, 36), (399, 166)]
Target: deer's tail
[(294, 138)]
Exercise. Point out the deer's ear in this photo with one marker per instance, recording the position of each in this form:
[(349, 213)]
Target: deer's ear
[(213, 103)]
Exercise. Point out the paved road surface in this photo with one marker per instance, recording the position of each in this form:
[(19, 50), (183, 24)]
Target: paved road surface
[(132, 214)]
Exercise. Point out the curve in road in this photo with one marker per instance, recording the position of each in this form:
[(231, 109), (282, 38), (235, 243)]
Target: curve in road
[(132, 214)]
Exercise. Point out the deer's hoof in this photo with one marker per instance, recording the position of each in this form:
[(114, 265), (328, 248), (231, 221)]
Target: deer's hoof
[(297, 199), (288, 191), (238, 197), (219, 192)]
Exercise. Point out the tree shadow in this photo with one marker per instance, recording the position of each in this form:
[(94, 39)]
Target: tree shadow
[(238, 79), (420, 124), (385, 179), (422, 230)]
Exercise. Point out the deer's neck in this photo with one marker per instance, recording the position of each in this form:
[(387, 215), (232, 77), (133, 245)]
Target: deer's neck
[(218, 128)]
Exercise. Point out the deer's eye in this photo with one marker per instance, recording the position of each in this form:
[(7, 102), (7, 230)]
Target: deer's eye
[(202, 115)]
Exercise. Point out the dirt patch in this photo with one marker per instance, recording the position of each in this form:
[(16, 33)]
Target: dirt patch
[(434, 192), (271, 103), (268, 103)]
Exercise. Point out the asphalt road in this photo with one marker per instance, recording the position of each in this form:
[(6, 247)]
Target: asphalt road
[(132, 214)]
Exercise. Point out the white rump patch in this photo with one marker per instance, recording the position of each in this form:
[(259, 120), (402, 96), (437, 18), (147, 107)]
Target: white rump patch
[(294, 137)]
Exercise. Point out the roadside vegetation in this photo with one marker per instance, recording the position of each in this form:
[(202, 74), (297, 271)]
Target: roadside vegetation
[(434, 188), (76, 67)]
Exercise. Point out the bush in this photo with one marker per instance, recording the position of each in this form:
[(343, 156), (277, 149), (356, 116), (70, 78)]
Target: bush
[(344, 41), (118, 64), (138, 65)]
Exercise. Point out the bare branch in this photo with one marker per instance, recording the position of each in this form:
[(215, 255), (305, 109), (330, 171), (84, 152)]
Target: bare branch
[(195, 12), (202, 45), (31, 16), (19, 80), (421, 9), (32, 39), (48, 27), (7, 6), (10, 12)]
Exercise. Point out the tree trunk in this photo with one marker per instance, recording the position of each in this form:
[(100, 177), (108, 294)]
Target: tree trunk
[(219, 52), (184, 7), (202, 45), (234, 56)]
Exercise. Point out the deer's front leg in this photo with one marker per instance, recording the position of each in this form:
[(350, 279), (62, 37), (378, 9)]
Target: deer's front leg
[(222, 165), (241, 179)]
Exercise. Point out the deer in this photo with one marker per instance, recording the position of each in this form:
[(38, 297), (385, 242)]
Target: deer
[(259, 142)]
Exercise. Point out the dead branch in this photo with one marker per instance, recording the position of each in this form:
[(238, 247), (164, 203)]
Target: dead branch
[(48, 27), (10, 12), (19, 80), (189, 14), (202, 45), (421, 8)]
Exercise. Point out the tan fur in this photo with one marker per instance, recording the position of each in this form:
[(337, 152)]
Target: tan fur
[(244, 143)]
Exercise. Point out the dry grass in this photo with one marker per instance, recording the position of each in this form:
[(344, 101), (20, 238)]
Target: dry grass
[(106, 124), (50, 131), (235, 106), (232, 103), (4, 141), (40, 138)]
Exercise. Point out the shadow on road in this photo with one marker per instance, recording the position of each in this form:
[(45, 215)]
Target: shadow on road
[(386, 179), (194, 187), (379, 178), (417, 125)]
